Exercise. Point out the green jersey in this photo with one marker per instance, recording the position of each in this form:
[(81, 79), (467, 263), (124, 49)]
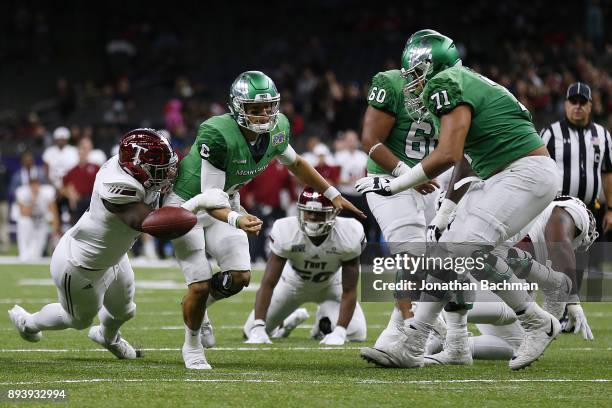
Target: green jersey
[(408, 140), (221, 143), (501, 130)]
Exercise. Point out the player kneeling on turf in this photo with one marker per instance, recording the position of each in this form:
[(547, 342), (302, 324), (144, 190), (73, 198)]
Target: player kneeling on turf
[(89, 266), (318, 245)]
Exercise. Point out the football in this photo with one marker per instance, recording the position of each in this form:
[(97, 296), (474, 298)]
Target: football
[(169, 222)]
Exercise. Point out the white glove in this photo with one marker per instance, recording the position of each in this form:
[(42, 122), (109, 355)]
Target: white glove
[(210, 199), (335, 338), (440, 221), (258, 333), (378, 185), (576, 319)]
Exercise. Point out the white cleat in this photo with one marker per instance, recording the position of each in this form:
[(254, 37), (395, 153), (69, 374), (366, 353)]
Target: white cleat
[(456, 350), (18, 316), (405, 349), (207, 336), (540, 328), (291, 322), (120, 347), (194, 358)]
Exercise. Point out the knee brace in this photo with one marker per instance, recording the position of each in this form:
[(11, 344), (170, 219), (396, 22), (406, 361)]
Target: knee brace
[(456, 307), (223, 284)]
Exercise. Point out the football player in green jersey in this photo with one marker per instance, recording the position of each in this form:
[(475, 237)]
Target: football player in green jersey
[(395, 143), (228, 152), (481, 120)]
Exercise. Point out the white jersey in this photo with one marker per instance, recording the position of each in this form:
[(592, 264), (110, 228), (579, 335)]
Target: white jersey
[(60, 162), (308, 262), (536, 229), (99, 239)]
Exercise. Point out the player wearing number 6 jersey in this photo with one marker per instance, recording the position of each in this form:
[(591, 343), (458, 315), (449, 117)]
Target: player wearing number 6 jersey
[(483, 120), (395, 143), (315, 258), (229, 151)]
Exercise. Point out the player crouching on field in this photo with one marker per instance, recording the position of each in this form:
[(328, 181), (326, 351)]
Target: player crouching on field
[(89, 266), (318, 246)]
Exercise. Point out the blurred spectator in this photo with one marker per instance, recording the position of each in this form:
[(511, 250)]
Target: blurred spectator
[(326, 165), (27, 171), (60, 157), (268, 196), (36, 210), (77, 185), (173, 117), (4, 207), (309, 155), (352, 162)]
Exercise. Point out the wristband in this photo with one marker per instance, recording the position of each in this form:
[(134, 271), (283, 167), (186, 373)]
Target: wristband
[(373, 148), (447, 206), (411, 178), (232, 219), (331, 193), (400, 169)]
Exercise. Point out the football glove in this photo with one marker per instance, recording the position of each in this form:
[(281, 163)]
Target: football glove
[(378, 185), (335, 338), (210, 199), (258, 333), (440, 221), (577, 322)]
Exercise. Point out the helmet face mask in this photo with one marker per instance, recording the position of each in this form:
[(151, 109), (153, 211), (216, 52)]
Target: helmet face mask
[(148, 157), (316, 213), (255, 102), (427, 53)]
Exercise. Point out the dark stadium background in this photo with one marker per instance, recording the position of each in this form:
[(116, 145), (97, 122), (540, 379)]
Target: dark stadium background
[(102, 68)]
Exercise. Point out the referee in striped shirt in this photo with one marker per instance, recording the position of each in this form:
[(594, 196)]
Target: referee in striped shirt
[(583, 152)]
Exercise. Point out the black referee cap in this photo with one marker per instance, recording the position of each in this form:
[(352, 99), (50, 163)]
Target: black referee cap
[(579, 88)]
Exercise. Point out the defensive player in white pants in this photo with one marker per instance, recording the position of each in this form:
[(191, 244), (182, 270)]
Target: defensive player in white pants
[(90, 267), (544, 255), (314, 258)]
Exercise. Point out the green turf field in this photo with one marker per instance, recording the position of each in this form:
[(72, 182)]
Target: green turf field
[(291, 372)]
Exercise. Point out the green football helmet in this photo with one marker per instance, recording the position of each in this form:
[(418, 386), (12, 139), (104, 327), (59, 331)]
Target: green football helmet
[(254, 101), (427, 53)]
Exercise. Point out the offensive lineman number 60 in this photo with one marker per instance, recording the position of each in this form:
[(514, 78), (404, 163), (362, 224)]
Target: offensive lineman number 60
[(378, 94)]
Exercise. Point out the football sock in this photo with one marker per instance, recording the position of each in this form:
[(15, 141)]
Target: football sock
[(456, 320), (428, 312), (210, 301), (496, 313), (50, 317), (109, 325), (192, 337), (518, 300), (488, 347)]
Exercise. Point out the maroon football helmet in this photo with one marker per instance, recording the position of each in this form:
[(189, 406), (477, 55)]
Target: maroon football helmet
[(322, 213), (148, 157)]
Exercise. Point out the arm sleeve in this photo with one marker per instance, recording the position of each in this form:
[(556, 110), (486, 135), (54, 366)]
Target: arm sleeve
[(382, 95), (443, 93), (212, 146), (211, 176), (288, 156)]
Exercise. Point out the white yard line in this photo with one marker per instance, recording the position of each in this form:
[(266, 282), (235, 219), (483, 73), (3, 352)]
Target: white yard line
[(248, 348), (359, 382)]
